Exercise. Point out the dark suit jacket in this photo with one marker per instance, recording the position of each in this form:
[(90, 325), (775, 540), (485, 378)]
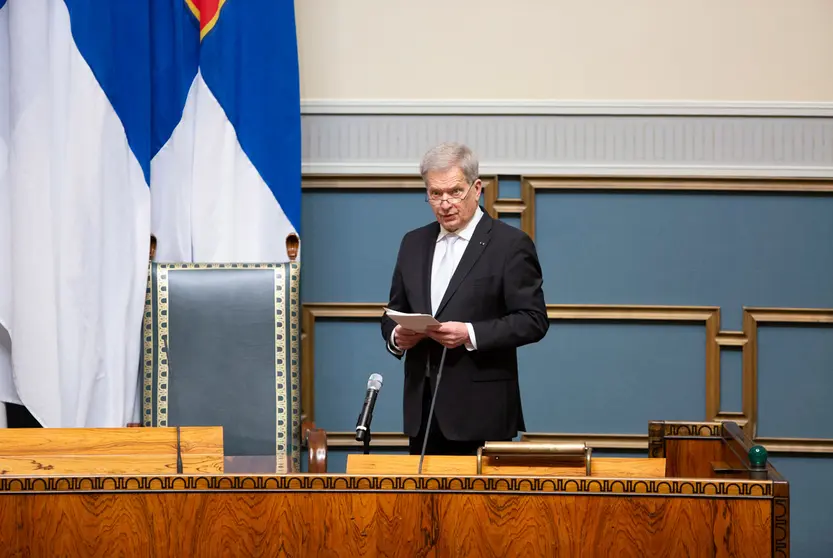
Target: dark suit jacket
[(497, 287)]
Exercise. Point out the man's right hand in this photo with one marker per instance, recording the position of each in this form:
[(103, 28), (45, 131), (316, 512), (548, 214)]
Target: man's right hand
[(406, 338)]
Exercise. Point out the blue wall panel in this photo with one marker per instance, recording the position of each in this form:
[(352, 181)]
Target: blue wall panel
[(731, 380), (712, 249), (351, 239), (795, 381), (509, 187), (346, 354), (811, 504), (613, 377)]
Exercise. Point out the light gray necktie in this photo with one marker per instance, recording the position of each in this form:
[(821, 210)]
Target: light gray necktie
[(445, 269)]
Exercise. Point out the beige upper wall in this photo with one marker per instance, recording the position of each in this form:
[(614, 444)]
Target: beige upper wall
[(702, 50)]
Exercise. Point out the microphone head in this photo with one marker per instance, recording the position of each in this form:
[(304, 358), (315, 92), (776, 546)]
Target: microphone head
[(374, 382)]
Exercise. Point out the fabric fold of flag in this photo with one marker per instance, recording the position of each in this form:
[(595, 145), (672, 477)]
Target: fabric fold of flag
[(75, 207)]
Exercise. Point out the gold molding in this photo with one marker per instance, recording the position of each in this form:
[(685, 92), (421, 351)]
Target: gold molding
[(707, 315), (595, 441), (786, 185), (634, 312), (752, 316), (393, 183), (309, 313), (378, 439), (797, 445), (362, 183), (530, 184), (731, 339)]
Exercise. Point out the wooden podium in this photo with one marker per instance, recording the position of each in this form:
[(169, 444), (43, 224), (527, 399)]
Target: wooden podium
[(703, 491)]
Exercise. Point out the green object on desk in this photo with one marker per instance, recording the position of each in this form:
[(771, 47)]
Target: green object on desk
[(757, 457)]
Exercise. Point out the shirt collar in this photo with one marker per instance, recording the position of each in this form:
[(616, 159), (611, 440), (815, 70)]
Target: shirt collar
[(466, 232)]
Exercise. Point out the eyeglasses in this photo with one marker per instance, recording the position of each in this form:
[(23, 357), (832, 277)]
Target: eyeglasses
[(454, 197)]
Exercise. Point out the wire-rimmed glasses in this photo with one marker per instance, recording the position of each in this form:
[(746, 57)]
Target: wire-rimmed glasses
[(455, 196)]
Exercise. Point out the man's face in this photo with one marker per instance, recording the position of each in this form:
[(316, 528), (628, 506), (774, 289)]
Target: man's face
[(452, 199)]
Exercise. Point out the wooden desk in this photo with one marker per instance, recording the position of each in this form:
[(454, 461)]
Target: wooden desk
[(708, 503)]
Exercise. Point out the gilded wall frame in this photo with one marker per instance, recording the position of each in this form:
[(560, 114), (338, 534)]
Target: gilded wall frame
[(524, 208)]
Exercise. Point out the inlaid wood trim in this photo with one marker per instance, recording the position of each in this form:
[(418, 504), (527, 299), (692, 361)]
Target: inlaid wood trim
[(678, 487)]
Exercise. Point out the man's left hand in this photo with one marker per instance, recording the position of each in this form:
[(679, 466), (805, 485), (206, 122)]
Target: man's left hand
[(449, 334)]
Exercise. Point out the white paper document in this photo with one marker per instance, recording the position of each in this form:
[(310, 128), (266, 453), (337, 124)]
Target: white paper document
[(414, 322)]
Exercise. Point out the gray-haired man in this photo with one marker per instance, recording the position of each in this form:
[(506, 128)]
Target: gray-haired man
[(481, 279)]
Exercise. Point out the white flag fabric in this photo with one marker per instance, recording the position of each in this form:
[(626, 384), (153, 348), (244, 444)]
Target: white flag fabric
[(75, 219)]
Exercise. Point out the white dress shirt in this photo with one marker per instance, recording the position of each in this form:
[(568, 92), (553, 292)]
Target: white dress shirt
[(440, 281)]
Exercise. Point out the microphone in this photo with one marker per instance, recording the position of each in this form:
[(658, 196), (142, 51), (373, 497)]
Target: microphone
[(164, 339), (374, 385), (431, 412)]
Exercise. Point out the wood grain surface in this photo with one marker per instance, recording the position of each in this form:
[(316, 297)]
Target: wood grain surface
[(352, 524), (615, 467), (116, 451)]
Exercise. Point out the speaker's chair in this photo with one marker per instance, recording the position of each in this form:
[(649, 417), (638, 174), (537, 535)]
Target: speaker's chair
[(221, 347)]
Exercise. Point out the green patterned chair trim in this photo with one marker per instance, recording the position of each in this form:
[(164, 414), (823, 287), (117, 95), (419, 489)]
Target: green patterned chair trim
[(221, 347)]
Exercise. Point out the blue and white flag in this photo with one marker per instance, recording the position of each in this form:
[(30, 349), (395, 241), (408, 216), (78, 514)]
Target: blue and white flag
[(226, 177), (117, 120)]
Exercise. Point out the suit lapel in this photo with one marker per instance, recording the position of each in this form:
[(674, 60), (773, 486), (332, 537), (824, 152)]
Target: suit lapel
[(475, 248), (427, 264)]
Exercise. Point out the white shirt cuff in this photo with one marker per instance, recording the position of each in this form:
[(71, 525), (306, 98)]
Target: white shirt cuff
[(392, 347), (472, 344)]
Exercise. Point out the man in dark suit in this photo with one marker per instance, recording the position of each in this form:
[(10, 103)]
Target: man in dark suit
[(481, 279)]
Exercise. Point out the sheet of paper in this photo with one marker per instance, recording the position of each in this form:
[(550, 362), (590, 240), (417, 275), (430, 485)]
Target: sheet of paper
[(414, 322)]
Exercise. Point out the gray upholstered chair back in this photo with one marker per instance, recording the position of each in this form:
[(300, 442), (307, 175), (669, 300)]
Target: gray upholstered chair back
[(221, 347)]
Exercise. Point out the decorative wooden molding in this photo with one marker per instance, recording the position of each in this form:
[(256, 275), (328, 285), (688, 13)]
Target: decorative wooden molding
[(394, 183), (595, 441), (530, 185), (709, 316), (341, 182), (378, 440), (631, 312), (309, 313), (677, 487), (786, 185), (731, 339), (752, 316), (797, 445)]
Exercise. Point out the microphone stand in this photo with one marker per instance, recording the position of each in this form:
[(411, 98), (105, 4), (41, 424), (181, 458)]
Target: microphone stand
[(366, 442), (431, 412), (178, 433)]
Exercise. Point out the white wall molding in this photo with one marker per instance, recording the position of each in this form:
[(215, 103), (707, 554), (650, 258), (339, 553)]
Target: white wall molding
[(648, 171), (730, 145), (534, 107)]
